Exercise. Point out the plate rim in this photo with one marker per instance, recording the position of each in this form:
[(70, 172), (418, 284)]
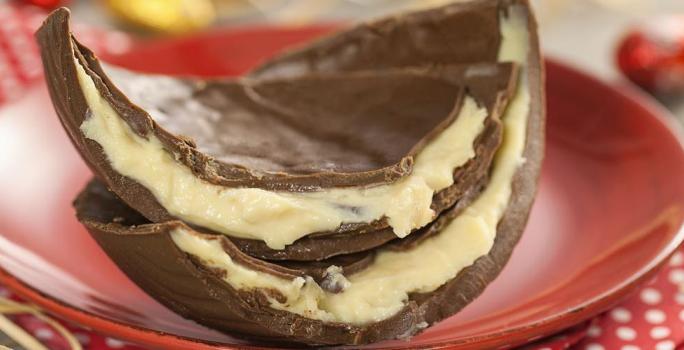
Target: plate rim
[(546, 326)]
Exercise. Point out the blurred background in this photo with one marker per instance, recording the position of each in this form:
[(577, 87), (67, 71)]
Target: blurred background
[(584, 33)]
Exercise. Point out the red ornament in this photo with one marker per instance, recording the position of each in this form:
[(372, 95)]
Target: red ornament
[(48, 4), (652, 55)]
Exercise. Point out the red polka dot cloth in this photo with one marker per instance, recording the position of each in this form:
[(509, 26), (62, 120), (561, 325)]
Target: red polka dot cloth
[(651, 319), (19, 58)]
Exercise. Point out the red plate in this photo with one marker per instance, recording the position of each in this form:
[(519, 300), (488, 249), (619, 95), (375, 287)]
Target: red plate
[(609, 211)]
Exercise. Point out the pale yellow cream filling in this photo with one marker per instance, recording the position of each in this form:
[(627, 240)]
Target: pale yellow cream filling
[(382, 289), (280, 218)]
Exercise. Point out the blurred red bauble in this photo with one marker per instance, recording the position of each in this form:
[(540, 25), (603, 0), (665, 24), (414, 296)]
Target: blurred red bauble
[(48, 4), (652, 55)]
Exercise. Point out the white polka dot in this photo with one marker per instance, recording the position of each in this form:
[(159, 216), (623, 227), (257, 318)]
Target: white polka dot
[(650, 296), (44, 333), (594, 331), (620, 314), (677, 259), (676, 276), (114, 343), (626, 333), (630, 347), (654, 316), (82, 338), (594, 346), (660, 332), (665, 345), (681, 315), (679, 298)]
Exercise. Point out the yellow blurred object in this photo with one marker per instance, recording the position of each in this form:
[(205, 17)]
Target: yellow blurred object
[(166, 16)]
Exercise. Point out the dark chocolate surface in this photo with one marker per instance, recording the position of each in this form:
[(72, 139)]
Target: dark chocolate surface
[(466, 32), (316, 124), (186, 286)]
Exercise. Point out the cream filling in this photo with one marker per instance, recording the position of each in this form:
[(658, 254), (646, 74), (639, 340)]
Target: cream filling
[(381, 290), (280, 218)]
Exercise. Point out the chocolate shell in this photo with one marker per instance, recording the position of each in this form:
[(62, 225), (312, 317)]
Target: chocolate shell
[(381, 132), (189, 286), (185, 284)]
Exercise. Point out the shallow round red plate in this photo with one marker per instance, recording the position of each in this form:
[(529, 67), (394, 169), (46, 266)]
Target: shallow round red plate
[(608, 213)]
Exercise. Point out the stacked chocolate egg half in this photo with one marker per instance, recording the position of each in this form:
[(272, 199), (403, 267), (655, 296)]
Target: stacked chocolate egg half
[(359, 188)]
